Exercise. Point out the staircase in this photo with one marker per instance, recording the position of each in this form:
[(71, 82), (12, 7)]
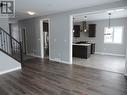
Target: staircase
[(10, 46)]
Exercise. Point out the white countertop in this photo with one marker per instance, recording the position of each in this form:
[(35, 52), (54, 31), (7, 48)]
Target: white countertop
[(82, 44)]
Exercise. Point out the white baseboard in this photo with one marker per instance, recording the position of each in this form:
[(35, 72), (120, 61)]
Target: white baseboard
[(7, 71), (31, 54), (65, 62), (50, 59), (102, 53)]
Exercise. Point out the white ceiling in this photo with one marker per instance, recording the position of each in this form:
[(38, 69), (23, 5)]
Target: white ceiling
[(45, 7), (101, 15)]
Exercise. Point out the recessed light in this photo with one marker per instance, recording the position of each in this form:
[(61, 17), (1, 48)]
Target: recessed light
[(117, 10), (31, 13), (110, 11)]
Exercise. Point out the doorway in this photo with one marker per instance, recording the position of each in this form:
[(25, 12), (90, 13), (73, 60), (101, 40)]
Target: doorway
[(14, 32), (45, 32), (89, 45), (24, 40)]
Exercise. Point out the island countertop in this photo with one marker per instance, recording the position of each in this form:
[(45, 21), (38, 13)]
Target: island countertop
[(82, 44)]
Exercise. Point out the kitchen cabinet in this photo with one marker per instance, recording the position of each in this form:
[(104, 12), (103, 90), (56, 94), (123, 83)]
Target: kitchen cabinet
[(92, 30), (92, 47), (76, 30), (82, 50)]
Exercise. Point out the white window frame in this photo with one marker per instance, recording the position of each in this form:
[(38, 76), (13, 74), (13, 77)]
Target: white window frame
[(113, 35)]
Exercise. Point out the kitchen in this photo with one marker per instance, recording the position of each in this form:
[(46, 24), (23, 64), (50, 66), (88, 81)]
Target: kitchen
[(83, 49), (94, 46)]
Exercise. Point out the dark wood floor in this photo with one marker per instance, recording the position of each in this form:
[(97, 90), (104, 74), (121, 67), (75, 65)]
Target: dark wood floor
[(41, 77)]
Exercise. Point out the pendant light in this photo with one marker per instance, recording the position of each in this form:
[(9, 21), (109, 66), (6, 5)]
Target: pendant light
[(85, 25), (109, 24), (73, 25)]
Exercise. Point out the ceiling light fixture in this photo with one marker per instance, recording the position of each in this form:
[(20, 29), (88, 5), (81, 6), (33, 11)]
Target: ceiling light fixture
[(85, 25), (31, 13), (116, 10)]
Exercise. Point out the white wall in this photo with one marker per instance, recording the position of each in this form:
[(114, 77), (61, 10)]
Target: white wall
[(126, 61), (4, 24), (101, 47), (126, 64), (59, 46), (33, 35), (60, 38), (8, 64), (15, 31), (60, 31)]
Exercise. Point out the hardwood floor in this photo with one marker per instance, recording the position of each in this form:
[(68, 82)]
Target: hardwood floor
[(43, 77)]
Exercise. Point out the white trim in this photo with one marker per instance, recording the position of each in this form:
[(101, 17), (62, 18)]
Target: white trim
[(60, 61), (31, 54), (102, 53), (71, 40), (56, 60), (126, 65), (7, 71), (41, 36)]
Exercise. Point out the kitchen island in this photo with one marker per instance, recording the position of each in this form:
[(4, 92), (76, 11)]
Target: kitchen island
[(82, 50)]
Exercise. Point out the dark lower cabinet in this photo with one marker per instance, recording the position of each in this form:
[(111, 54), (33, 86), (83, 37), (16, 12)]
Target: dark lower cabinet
[(92, 48), (81, 51)]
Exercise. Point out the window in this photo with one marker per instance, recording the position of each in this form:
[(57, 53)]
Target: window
[(113, 34)]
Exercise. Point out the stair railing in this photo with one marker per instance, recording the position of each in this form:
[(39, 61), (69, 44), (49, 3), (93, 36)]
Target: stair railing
[(10, 45)]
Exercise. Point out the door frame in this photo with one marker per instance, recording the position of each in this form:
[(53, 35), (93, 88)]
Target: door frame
[(126, 64), (41, 37), (25, 40)]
